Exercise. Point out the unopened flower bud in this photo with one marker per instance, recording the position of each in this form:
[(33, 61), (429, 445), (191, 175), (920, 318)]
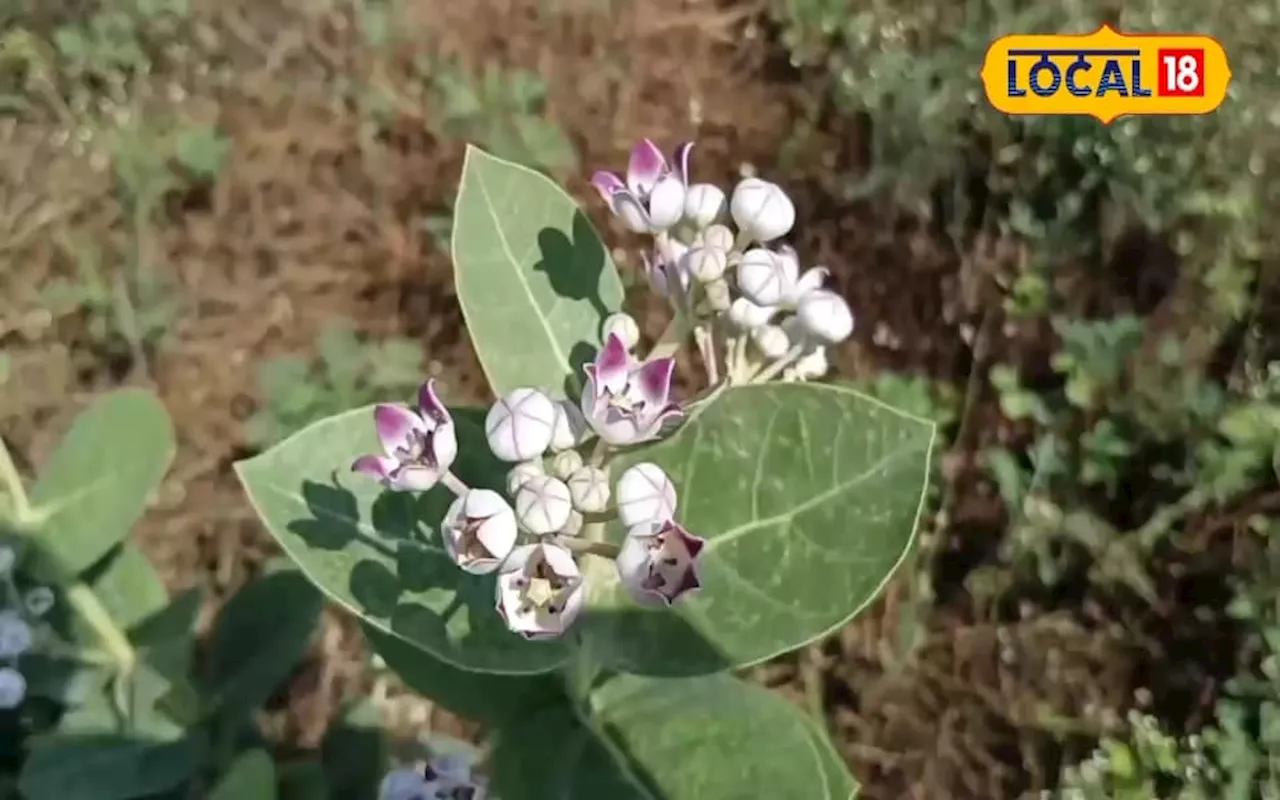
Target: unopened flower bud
[(718, 295), (747, 316), (13, 688), (519, 426), (623, 326), (564, 463), (522, 472), (543, 505), (706, 263), (703, 204), (15, 635), (589, 488), (569, 426), (811, 366), (766, 278), (825, 316), (718, 237), (772, 341), (574, 526), (761, 209), (38, 601), (479, 531), (645, 494)]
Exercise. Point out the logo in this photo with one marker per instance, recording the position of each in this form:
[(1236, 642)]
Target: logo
[(1106, 74)]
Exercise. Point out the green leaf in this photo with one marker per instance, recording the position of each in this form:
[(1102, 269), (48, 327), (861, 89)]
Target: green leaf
[(101, 476), (377, 553), (706, 738), (533, 278), (490, 699), (260, 636), (127, 585), (808, 496), (106, 767), (252, 776)]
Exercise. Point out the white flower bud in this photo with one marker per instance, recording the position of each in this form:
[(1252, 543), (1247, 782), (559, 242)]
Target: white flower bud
[(666, 203), (589, 488), (574, 526), (645, 494), (623, 326), (766, 278), (522, 472), (825, 316), (718, 295), (569, 427), (7, 559), (479, 531), (13, 688), (543, 505), (772, 341), (38, 601), (703, 203), (706, 263), (565, 463), (811, 366), (747, 316), (761, 209), (519, 426), (718, 237), (15, 635)]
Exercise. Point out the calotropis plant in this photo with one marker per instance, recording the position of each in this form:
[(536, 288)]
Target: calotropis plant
[(580, 566)]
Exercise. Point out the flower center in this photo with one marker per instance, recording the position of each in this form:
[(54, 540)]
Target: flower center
[(469, 545), (541, 590)]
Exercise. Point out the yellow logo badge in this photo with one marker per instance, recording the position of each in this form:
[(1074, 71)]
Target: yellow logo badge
[(1106, 74)]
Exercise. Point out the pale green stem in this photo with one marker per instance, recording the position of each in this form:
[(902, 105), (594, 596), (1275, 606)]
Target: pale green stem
[(773, 369), (599, 454), (455, 484), (590, 518), (12, 481), (588, 546), (706, 340)]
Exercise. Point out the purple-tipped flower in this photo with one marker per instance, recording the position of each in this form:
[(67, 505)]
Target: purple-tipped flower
[(540, 591), (625, 401), (666, 267), (658, 562), (652, 198), (420, 443)]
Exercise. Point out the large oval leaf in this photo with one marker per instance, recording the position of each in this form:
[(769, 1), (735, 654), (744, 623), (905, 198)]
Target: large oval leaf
[(100, 478), (809, 497), (533, 278), (378, 553), (706, 738)]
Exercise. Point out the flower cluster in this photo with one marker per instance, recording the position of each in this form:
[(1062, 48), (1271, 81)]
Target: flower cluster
[(777, 319), (556, 501), (444, 777), (17, 612)]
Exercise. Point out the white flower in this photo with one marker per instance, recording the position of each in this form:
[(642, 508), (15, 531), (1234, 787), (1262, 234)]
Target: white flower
[(38, 600), (519, 426), (15, 635), (13, 688), (799, 285), (7, 559), (623, 326), (658, 562), (765, 278), (569, 426), (703, 203), (761, 209), (522, 472), (747, 316), (645, 494), (772, 341), (540, 591), (825, 316), (589, 488), (718, 237), (811, 366), (564, 464), (706, 263), (419, 445), (626, 401), (543, 504), (479, 530)]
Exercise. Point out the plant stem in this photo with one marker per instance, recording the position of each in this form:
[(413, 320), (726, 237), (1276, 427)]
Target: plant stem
[(81, 598), (599, 516), (704, 335), (773, 369), (12, 484), (584, 545), (455, 484)]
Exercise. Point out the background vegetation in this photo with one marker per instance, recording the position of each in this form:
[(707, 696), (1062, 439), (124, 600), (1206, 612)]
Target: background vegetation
[(242, 203)]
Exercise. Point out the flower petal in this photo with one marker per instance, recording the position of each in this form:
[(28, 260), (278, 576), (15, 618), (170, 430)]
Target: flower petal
[(666, 203), (415, 478), (442, 445), (683, 152), (645, 167), (812, 279), (395, 425), (429, 405), (611, 365), (607, 184), (653, 380), (379, 467), (628, 208)]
